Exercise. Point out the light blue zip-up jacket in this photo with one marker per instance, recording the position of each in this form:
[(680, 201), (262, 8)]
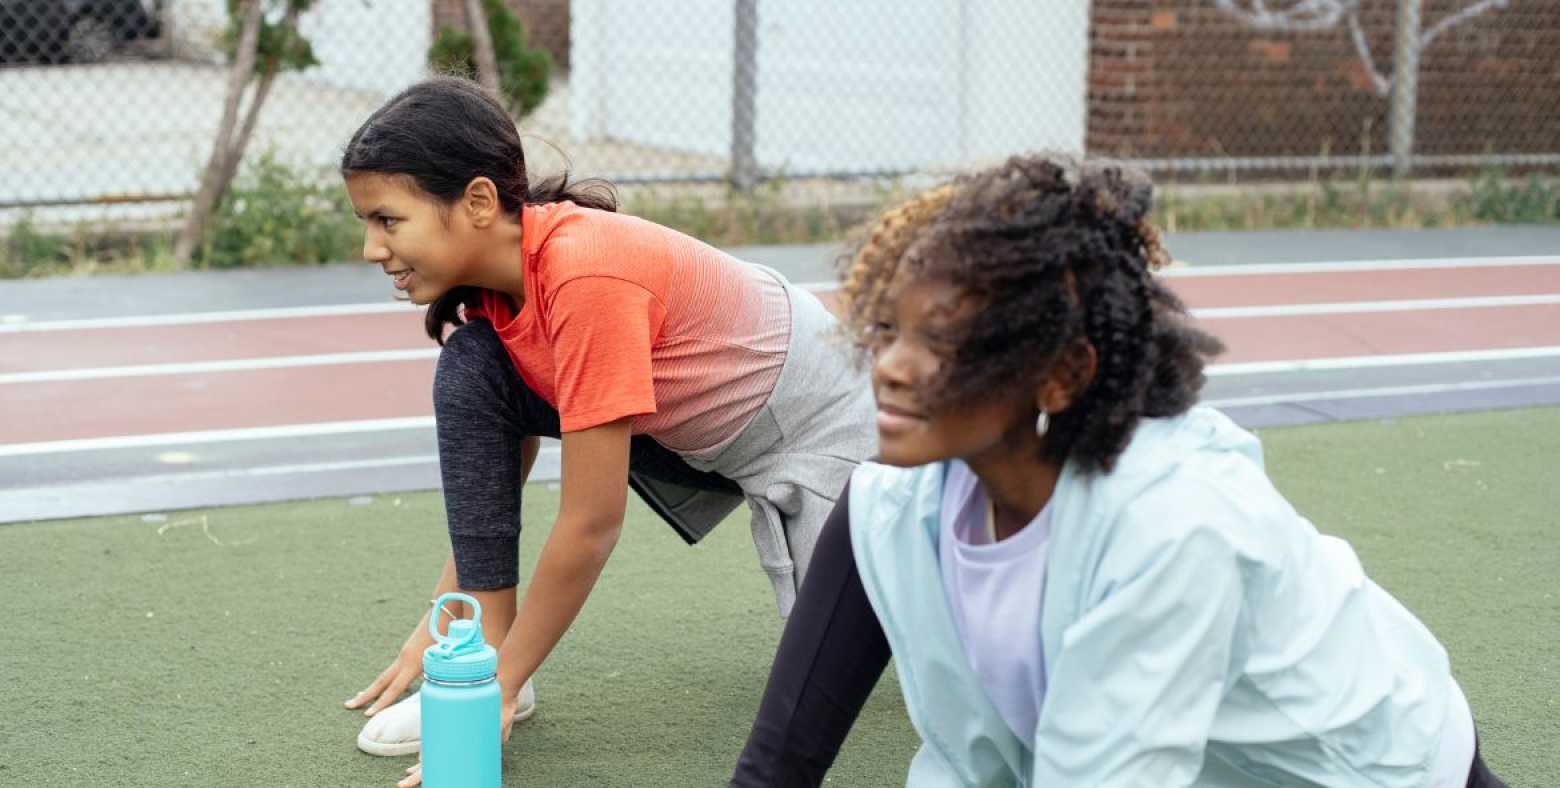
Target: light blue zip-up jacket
[(1196, 631)]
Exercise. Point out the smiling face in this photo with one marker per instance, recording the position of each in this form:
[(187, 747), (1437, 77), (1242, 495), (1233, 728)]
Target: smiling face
[(911, 349), (426, 248)]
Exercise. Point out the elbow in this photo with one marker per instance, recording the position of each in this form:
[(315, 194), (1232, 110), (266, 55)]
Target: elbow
[(598, 534)]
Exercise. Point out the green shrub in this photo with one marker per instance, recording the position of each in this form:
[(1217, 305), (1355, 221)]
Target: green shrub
[(275, 214), (522, 71), (1495, 198), (26, 252), (762, 216)]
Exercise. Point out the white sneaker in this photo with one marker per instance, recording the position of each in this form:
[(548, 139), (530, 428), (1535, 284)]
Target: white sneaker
[(397, 730)]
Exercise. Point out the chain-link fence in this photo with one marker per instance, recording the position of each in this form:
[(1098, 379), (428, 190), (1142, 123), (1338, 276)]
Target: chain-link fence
[(117, 101), (1426, 85)]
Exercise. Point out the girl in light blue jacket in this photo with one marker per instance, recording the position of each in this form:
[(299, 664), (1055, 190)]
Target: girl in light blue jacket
[(1084, 579)]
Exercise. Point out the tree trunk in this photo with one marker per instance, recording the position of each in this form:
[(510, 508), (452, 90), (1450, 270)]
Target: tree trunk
[(252, 117), (212, 183), (487, 65), (245, 131)]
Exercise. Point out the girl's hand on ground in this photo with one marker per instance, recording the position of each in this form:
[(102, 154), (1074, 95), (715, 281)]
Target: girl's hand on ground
[(413, 775), (506, 715), (391, 683)]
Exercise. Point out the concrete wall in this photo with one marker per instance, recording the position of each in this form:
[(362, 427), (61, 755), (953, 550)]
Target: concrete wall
[(376, 45), (857, 85)]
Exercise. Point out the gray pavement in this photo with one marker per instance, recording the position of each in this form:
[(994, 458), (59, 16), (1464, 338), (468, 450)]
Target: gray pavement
[(1314, 396), (170, 477), (1246, 247)]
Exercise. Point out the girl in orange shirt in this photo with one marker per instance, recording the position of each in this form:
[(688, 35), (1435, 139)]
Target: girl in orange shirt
[(662, 363)]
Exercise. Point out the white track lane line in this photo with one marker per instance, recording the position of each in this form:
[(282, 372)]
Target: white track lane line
[(550, 456), (231, 365), (326, 359), (1363, 307), (1185, 270), (215, 436), (20, 324), (1346, 266), (1383, 391), (1368, 362), (278, 362), (426, 422)]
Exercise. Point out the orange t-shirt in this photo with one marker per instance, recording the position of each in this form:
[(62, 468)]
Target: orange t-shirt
[(623, 317)]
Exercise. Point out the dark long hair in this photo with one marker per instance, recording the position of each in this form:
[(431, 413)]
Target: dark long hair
[(1060, 253), (444, 132)]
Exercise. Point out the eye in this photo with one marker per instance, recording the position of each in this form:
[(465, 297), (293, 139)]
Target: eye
[(942, 343), (880, 334), (389, 221)]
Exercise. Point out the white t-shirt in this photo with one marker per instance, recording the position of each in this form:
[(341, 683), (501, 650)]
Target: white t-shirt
[(995, 591)]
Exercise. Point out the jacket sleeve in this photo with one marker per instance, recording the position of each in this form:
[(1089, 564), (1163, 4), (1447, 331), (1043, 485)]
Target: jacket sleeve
[(1141, 672)]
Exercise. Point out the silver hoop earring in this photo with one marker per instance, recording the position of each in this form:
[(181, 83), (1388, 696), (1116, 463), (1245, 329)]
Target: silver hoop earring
[(1042, 423)]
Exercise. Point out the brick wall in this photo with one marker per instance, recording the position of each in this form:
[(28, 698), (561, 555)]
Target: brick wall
[(546, 23), (1185, 78)]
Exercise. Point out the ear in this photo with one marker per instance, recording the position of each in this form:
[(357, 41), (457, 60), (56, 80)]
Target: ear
[(479, 203), (1069, 377)]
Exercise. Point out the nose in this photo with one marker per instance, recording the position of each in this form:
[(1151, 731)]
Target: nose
[(895, 366), (374, 248)]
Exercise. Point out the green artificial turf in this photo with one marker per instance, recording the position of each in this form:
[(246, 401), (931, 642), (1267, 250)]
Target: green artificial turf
[(214, 648)]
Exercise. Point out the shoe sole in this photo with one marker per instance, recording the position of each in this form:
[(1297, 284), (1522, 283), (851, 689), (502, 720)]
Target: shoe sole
[(388, 750), (394, 749)]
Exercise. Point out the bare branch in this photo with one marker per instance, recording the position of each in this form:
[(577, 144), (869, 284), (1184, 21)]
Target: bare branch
[(1313, 15), (217, 165), (482, 41), (1449, 22), (262, 91), (247, 130), (1383, 84), (1303, 15)]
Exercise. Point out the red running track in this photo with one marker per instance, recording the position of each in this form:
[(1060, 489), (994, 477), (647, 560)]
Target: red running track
[(154, 401)]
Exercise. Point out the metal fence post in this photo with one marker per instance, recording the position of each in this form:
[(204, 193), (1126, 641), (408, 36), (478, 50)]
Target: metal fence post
[(1405, 85), (744, 96)]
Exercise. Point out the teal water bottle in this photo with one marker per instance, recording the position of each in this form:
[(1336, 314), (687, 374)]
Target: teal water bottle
[(460, 704)]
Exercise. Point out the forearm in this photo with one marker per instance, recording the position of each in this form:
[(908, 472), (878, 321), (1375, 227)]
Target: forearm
[(566, 571)]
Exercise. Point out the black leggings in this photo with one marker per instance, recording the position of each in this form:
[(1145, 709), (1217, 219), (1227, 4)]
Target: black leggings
[(830, 657), (483, 411), (1480, 775)]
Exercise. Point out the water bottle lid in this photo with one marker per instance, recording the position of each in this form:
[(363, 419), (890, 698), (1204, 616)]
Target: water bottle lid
[(461, 654)]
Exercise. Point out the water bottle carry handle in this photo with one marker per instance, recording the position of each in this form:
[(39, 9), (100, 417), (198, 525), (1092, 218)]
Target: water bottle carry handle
[(438, 607)]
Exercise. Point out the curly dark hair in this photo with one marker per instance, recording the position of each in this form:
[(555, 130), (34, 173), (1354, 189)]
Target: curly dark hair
[(1058, 253)]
